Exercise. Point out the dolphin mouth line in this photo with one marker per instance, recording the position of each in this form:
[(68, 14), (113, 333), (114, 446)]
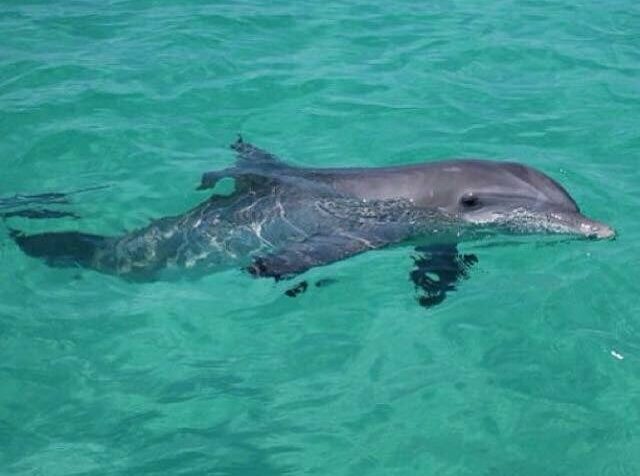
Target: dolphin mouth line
[(522, 221)]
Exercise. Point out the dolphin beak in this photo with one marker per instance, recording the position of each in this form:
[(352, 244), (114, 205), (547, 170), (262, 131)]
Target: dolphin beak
[(593, 229), (597, 230), (574, 223)]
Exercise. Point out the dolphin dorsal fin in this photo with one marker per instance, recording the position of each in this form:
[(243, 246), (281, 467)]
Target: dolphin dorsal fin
[(250, 155), (251, 161)]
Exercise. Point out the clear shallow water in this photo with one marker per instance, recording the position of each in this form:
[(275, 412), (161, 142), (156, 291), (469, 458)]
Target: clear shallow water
[(512, 374)]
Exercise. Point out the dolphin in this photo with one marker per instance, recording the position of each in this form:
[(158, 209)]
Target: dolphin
[(281, 220)]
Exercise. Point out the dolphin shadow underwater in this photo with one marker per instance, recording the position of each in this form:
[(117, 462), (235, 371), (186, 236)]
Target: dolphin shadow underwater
[(281, 220)]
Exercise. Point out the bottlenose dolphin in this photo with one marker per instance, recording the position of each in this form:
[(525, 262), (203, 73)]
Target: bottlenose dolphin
[(282, 220)]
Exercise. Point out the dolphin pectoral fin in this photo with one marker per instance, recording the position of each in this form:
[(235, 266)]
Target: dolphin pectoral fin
[(315, 251), (299, 288), (302, 286), (438, 269)]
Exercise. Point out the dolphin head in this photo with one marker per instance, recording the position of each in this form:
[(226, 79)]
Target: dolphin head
[(511, 197)]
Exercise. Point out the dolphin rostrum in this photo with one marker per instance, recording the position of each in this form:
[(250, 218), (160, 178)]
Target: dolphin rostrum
[(282, 220)]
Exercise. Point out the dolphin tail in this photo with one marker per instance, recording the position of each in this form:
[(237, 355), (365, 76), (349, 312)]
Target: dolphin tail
[(67, 248)]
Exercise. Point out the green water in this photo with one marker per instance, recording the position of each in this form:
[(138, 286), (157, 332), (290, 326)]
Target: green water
[(514, 374)]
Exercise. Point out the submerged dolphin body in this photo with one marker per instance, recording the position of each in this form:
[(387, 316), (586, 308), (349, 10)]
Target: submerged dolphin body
[(282, 220)]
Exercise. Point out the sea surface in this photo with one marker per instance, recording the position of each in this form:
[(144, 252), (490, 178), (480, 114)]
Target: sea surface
[(532, 367)]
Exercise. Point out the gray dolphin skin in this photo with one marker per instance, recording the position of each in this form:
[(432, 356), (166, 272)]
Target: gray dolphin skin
[(282, 220)]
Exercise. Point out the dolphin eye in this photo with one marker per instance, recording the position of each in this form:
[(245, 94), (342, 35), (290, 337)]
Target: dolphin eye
[(469, 200)]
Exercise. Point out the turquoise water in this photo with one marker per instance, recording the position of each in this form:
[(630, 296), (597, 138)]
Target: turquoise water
[(531, 368)]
